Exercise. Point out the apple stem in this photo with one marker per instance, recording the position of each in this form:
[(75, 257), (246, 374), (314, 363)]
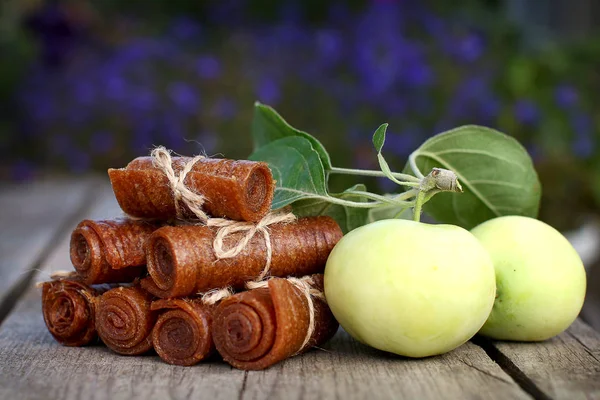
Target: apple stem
[(437, 181), (418, 206)]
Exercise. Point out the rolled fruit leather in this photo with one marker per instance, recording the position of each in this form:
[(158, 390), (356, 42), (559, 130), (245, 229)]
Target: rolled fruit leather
[(183, 333), (238, 190), (110, 251), (69, 309), (255, 329), (182, 261), (124, 320)]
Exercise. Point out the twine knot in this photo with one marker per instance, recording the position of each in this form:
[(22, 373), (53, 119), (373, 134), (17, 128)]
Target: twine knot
[(228, 227), (161, 159)]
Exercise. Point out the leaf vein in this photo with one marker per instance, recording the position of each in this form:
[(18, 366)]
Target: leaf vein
[(480, 152), (463, 180), (498, 183)]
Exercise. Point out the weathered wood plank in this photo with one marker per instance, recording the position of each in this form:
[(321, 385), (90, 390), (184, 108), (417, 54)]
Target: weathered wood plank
[(31, 216), (350, 370), (34, 366), (565, 367)]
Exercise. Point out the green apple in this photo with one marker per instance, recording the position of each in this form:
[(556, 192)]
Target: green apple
[(410, 288), (540, 279)]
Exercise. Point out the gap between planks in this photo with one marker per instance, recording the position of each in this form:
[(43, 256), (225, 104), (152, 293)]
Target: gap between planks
[(566, 366), (346, 370), (510, 368), (33, 365), (12, 295)]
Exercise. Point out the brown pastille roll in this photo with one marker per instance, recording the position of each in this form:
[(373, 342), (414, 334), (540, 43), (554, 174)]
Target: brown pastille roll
[(255, 329), (104, 251), (238, 190), (182, 335), (69, 309), (182, 261), (124, 320)]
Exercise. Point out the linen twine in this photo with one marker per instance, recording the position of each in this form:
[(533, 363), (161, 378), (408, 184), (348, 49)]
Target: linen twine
[(161, 159), (304, 285), (58, 275)]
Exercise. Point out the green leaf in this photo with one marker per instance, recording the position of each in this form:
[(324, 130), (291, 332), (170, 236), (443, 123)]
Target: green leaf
[(495, 171), (378, 141), (379, 137), (297, 168), (348, 218), (268, 126)]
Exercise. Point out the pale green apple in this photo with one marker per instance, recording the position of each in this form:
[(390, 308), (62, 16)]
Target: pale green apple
[(410, 288), (540, 279)]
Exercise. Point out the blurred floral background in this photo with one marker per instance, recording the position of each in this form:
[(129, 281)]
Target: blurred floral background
[(92, 84), (86, 85)]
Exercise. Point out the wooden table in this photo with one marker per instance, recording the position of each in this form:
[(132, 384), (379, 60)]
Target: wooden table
[(36, 221)]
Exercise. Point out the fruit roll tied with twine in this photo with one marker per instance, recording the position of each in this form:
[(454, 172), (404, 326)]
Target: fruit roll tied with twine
[(281, 318), (167, 188), (183, 260), (124, 320), (110, 251), (182, 334), (69, 309)]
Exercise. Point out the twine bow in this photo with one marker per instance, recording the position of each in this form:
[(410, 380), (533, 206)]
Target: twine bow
[(161, 159), (228, 227)]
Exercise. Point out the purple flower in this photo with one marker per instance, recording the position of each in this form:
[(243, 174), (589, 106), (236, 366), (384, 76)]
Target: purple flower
[(526, 112), (388, 186), (330, 46), (583, 144), (115, 87), (101, 142), (43, 108), (434, 26), (267, 91), (84, 91), (141, 141), (489, 107), (404, 143), (469, 48), (208, 67), (224, 108), (79, 161), (185, 28), (417, 74), (395, 106), (143, 99), (566, 96), (56, 32), (184, 97)]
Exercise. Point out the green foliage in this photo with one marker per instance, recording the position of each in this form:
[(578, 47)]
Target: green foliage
[(495, 171)]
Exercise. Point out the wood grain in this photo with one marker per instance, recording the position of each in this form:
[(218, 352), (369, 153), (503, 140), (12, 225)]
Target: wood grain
[(34, 366), (347, 369), (31, 217), (565, 367)]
